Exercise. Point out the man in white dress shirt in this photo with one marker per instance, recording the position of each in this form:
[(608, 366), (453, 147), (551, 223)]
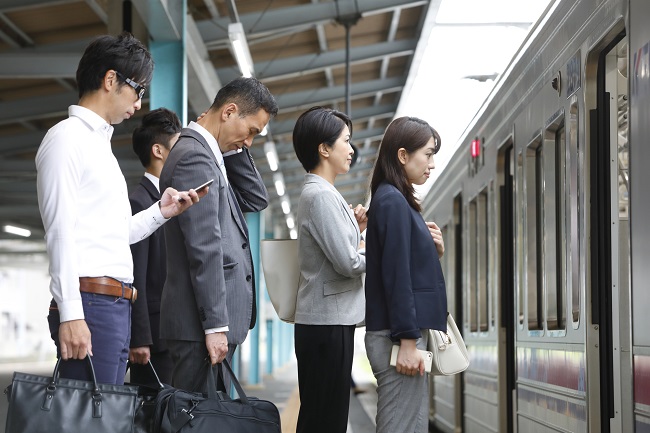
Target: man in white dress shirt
[(83, 200)]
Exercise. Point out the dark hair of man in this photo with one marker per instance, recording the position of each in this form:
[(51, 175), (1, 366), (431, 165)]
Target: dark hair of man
[(123, 53), (249, 94), (315, 126), (412, 134), (158, 126)]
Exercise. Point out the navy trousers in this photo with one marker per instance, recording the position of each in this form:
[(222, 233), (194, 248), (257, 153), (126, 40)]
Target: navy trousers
[(109, 321)]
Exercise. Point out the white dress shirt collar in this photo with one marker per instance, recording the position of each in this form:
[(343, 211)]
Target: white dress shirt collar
[(153, 179), (92, 119), (212, 142)]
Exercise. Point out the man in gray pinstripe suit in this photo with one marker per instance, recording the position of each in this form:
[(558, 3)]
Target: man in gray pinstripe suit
[(208, 301)]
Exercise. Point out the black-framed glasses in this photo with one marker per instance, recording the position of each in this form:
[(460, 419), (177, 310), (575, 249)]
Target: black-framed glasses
[(139, 88)]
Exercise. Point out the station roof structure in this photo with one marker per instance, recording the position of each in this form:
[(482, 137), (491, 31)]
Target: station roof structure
[(298, 49)]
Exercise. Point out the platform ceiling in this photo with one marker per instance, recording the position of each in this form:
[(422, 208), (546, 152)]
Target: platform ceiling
[(298, 49)]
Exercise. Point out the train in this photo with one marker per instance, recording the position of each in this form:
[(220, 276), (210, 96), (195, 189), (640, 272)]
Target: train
[(547, 258)]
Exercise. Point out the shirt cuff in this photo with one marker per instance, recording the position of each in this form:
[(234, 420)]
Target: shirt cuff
[(215, 330), (155, 216), (71, 310), (233, 152)]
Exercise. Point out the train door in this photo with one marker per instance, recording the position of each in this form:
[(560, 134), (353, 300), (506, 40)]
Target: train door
[(610, 240), (507, 289)]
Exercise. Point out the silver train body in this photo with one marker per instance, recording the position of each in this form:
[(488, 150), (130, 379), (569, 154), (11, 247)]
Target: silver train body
[(547, 235)]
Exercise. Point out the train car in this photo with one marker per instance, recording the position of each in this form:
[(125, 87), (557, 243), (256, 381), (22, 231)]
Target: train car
[(543, 208)]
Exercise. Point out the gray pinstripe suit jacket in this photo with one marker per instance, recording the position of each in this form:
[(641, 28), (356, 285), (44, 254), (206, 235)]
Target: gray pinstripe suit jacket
[(210, 280)]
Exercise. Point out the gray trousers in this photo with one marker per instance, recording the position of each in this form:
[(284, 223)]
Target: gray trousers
[(402, 401)]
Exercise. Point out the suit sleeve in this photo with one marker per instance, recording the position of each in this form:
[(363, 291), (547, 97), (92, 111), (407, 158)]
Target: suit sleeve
[(140, 326), (326, 222), (395, 223), (246, 182), (201, 229)]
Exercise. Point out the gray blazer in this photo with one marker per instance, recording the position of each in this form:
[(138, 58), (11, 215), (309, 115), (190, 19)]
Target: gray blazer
[(210, 280), (330, 290)]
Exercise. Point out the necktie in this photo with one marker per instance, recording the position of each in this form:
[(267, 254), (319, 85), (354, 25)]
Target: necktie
[(222, 167)]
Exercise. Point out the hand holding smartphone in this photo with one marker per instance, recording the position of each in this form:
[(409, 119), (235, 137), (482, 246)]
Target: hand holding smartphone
[(428, 358), (198, 189)]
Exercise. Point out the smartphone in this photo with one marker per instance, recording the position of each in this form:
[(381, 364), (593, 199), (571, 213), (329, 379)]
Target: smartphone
[(198, 189), (428, 358)]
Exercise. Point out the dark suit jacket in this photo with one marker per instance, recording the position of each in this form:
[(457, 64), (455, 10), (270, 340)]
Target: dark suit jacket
[(149, 274), (210, 280), (405, 288)]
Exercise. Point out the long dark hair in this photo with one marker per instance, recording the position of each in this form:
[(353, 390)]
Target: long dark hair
[(412, 134)]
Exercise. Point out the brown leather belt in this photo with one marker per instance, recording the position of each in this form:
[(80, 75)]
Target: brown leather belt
[(107, 286)]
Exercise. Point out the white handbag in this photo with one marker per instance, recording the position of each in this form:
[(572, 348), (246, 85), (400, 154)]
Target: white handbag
[(449, 351), (281, 273)]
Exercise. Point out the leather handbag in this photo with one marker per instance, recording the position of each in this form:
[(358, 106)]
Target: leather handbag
[(449, 352), (179, 411), (40, 404), (282, 274)]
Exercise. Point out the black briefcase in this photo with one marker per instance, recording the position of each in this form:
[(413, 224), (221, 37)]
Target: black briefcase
[(39, 404), (146, 402), (185, 412)]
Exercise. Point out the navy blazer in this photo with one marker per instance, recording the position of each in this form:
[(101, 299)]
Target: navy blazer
[(405, 288), (149, 270)]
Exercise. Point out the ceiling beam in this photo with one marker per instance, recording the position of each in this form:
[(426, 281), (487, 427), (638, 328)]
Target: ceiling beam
[(291, 67), (256, 24)]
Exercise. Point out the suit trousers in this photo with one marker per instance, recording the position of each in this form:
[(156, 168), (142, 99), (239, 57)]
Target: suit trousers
[(324, 354), (402, 401), (109, 321), (190, 371)]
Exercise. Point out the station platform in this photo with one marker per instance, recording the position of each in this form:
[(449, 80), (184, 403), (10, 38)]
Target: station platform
[(281, 388)]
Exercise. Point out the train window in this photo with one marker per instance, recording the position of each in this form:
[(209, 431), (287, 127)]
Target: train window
[(554, 224), (573, 237), (519, 243), (482, 259), (534, 188), (472, 274)]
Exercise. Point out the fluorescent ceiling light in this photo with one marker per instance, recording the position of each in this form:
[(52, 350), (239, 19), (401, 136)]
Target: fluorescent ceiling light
[(293, 233), (286, 206), (17, 231), (278, 181), (240, 49), (290, 222), (271, 155), (264, 131)]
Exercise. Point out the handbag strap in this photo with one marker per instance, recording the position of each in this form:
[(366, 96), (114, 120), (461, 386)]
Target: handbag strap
[(51, 389), (212, 384), (153, 370)]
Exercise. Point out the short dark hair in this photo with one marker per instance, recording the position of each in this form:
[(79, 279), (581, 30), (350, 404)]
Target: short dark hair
[(123, 53), (249, 94), (412, 134), (158, 126), (315, 126)]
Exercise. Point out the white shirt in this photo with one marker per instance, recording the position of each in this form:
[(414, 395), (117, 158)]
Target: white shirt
[(154, 180), (214, 146), (84, 204)]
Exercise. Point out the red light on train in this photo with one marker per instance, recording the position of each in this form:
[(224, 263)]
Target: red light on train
[(476, 148)]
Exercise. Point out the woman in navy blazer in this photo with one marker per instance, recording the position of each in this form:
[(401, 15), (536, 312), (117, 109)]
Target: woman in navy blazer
[(405, 288), (330, 294)]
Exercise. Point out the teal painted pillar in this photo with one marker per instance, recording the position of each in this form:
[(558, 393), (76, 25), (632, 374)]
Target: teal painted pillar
[(169, 84), (254, 222)]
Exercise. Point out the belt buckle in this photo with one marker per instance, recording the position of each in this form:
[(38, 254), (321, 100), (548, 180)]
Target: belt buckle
[(134, 294)]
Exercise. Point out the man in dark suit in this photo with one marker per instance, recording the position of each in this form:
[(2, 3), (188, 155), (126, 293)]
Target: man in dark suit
[(152, 141), (208, 302)]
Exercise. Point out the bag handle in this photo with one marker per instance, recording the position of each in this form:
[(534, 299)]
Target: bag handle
[(51, 389), (153, 370), (212, 384)]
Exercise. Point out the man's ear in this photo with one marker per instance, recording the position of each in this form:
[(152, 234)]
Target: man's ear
[(402, 155), (110, 79), (228, 110), (156, 151)]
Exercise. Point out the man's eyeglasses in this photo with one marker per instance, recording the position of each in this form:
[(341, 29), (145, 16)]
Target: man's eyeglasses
[(139, 88)]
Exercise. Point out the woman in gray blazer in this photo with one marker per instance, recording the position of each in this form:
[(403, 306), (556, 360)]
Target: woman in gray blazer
[(330, 300)]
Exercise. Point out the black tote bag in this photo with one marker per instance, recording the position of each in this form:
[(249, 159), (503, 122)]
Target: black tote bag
[(180, 411), (39, 404)]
